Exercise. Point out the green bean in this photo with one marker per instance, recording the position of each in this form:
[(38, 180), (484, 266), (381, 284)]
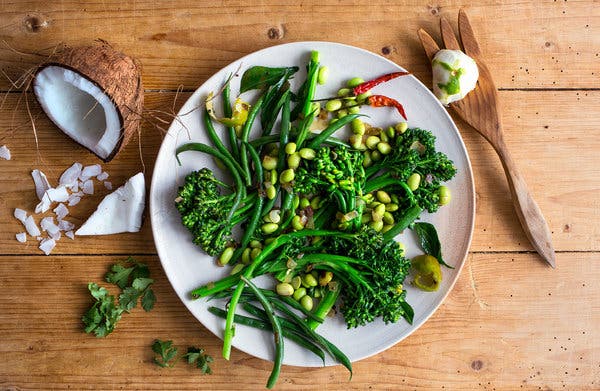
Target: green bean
[(329, 130), (262, 325), (277, 332), (245, 134), (233, 140)]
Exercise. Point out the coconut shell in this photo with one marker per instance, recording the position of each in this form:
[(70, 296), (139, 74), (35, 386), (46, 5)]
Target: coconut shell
[(116, 74)]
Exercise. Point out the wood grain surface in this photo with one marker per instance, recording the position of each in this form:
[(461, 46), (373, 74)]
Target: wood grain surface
[(510, 322)]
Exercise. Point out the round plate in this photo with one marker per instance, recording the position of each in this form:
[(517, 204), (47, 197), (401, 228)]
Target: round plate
[(187, 267)]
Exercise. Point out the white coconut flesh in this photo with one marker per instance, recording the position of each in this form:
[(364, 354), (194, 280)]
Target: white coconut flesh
[(120, 211), (79, 108)]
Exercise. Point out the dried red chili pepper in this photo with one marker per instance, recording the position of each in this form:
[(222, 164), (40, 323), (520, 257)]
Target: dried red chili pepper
[(384, 101), (369, 84)]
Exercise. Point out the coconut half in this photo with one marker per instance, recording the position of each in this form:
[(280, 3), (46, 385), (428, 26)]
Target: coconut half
[(94, 95), (120, 211)]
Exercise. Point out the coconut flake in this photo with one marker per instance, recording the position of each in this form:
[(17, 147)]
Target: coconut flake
[(74, 200), (21, 237), (108, 185), (88, 187), (74, 187), (31, 226), (5, 153), (61, 211), (59, 194), (44, 204), (47, 245), (20, 215), (47, 224), (65, 225), (70, 175), (70, 235), (120, 211), (103, 176), (41, 183), (90, 172)]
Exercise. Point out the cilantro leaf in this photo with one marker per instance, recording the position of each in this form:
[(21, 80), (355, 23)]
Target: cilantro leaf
[(119, 275), (128, 298), (103, 316), (141, 283), (148, 300), (166, 351), (197, 356)]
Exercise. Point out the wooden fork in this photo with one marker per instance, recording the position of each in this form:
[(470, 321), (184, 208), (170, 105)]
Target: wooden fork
[(480, 109)]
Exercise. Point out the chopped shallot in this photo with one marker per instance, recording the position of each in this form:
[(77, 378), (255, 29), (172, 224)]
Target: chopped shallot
[(74, 200), (21, 237), (47, 224), (70, 235), (5, 153), (108, 185), (47, 245), (59, 194), (65, 225), (44, 204), (103, 176)]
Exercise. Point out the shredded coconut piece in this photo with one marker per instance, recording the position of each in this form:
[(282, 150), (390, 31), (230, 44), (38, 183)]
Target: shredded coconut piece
[(89, 172), (4, 152), (41, 183), (47, 245), (21, 237), (59, 194), (74, 200), (31, 226), (20, 215), (65, 225), (61, 211), (88, 187), (103, 176), (70, 235), (108, 185), (70, 175)]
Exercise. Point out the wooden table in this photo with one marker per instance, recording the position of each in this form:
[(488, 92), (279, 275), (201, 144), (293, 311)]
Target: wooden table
[(510, 322)]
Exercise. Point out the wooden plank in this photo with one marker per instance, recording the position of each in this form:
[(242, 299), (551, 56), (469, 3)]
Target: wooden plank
[(184, 44), (529, 328), (554, 144)]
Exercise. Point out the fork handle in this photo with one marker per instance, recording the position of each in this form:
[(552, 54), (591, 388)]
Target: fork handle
[(529, 213)]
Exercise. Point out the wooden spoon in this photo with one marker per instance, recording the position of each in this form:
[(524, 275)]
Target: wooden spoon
[(480, 109)]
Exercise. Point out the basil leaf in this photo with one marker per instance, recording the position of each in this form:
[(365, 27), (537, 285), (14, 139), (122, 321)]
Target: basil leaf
[(258, 77)]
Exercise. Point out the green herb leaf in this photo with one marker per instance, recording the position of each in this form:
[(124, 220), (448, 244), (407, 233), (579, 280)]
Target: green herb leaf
[(119, 275), (197, 356), (148, 300), (258, 77), (141, 283), (103, 316), (430, 243), (128, 298), (166, 351)]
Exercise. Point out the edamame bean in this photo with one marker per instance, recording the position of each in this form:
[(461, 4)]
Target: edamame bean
[(315, 108), (342, 92), (354, 82), (384, 148), (376, 225), (342, 113), (293, 160), (401, 127), (354, 109), (306, 302), (273, 176), (296, 282), (391, 207), (304, 202), (325, 277), (226, 256), (322, 75), (269, 228), (256, 244), (307, 153), (315, 203), (236, 269), (255, 252), (388, 218), (295, 201), (413, 181), (333, 105), (380, 209), (367, 162), (290, 148), (309, 280), (246, 255), (372, 142), (386, 227), (269, 162), (445, 195), (361, 98), (358, 127), (299, 293), (383, 197), (297, 223), (271, 192), (287, 176), (376, 155), (284, 289)]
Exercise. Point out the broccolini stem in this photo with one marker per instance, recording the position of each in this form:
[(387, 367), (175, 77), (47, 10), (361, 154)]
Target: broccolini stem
[(325, 305), (329, 130), (410, 215), (245, 134), (233, 141)]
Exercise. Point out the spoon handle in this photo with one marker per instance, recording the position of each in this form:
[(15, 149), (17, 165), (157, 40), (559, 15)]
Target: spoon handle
[(529, 213)]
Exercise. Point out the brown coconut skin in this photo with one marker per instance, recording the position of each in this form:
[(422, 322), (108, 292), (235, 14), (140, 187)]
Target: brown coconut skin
[(116, 74)]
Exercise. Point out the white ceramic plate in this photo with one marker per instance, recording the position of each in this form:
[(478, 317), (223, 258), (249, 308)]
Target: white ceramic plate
[(187, 267)]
